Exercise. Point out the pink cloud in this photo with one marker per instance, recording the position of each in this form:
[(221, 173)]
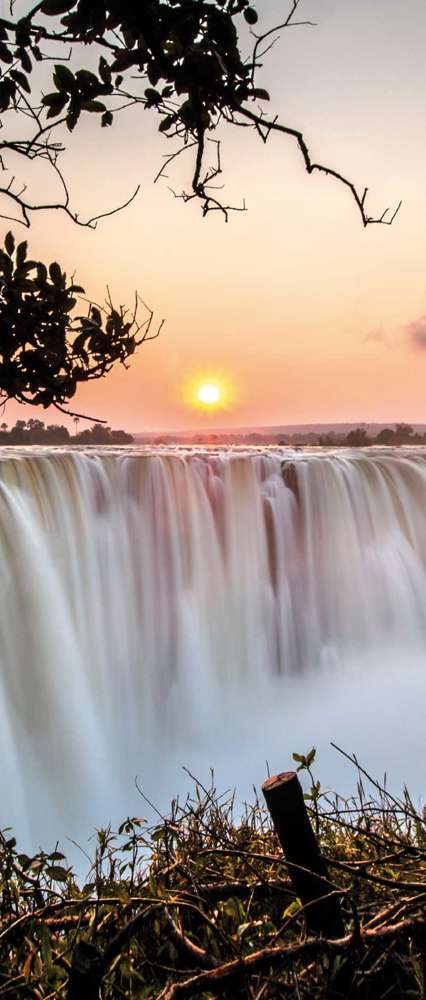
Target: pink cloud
[(416, 333)]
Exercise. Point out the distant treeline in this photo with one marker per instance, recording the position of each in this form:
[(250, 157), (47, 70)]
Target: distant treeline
[(358, 437), (36, 432)]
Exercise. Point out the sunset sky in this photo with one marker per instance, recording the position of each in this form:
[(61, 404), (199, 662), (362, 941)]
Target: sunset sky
[(299, 311)]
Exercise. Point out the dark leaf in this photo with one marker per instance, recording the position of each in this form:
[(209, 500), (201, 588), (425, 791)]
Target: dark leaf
[(57, 873), (55, 100), (5, 53), (20, 79), (23, 31), (64, 78), (9, 243), (104, 71), (72, 119), (54, 7), (41, 273), (94, 106), (153, 96), (54, 111), (5, 96), (86, 80), (21, 253), (124, 58), (96, 316), (25, 60), (55, 274), (251, 15)]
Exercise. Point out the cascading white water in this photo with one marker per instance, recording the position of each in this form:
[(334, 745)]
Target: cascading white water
[(164, 603)]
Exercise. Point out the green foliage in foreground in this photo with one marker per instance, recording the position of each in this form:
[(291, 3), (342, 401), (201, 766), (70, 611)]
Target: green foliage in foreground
[(201, 905)]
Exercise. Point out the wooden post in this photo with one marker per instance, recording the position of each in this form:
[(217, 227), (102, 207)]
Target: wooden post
[(307, 870)]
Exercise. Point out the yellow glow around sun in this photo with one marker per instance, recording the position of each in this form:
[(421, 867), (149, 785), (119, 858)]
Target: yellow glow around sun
[(209, 392)]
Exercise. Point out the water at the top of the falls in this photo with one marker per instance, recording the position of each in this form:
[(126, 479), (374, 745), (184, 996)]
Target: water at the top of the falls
[(201, 605)]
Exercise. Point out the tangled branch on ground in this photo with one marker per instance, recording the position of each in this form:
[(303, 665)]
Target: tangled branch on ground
[(201, 905)]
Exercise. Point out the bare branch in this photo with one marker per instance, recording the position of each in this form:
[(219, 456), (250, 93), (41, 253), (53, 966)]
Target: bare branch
[(217, 979), (265, 127), (27, 208)]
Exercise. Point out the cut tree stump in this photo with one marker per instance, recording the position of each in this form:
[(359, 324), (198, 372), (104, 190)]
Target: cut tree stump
[(307, 870)]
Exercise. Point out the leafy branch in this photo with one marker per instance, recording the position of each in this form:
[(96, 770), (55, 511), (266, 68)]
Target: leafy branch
[(47, 347), (181, 59)]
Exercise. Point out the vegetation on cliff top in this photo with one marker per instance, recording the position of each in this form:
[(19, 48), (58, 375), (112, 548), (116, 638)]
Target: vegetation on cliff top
[(201, 904)]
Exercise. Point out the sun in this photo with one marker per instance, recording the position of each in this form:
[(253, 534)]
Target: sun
[(211, 391), (209, 394)]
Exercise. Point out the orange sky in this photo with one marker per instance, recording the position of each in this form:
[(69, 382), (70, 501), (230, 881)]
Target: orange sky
[(307, 316)]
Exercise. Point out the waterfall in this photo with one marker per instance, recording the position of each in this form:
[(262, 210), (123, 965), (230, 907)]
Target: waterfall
[(148, 598)]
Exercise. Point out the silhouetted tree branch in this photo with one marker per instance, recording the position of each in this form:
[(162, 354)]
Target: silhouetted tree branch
[(48, 349), (189, 54), (181, 59)]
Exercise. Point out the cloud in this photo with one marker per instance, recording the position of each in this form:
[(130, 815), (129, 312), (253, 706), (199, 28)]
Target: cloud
[(415, 332), (409, 335), (377, 336)]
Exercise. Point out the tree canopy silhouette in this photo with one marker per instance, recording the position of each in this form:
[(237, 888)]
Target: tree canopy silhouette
[(47, 348), (180, 59)]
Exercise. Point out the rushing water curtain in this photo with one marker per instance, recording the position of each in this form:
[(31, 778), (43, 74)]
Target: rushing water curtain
[(136, 588)]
